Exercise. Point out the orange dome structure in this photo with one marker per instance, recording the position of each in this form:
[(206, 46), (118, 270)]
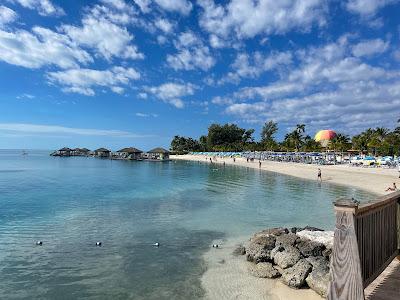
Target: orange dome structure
[(324, 136)]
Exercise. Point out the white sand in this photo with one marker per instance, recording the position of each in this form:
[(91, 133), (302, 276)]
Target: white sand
[(227, 276)]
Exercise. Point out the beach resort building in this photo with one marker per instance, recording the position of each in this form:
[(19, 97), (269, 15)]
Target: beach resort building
[(102, 152), (158, 154), (130, 153)]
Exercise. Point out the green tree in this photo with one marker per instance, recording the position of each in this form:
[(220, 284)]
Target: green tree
[(268, 135)]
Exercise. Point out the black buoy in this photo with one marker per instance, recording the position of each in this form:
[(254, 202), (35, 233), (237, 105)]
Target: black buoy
[(156, 244), (98, 244), (39, 243)]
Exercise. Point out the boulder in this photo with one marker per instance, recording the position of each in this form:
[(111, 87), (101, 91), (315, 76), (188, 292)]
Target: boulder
[(259, 249), (264, 270), (310, 248), (323, 237), (319, 262), (318, 280), (327, 253), (286, 239), (239, 250), (287, 257), (295, 276), (311, 228), (274, 231)]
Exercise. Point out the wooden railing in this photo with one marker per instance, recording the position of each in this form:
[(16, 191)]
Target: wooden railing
[(367, 238)]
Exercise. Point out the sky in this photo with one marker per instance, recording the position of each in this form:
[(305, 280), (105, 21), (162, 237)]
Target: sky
[(116, 73)]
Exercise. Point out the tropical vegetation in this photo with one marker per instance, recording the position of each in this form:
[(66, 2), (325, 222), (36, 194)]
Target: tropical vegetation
[(231, 137)]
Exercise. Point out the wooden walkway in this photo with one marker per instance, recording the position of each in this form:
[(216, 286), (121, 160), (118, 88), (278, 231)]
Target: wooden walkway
[(387, 285)]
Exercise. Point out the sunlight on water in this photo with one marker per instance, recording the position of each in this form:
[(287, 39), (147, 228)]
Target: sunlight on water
[(70, 203)]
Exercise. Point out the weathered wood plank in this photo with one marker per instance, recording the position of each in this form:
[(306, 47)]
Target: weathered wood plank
[(346, 281)]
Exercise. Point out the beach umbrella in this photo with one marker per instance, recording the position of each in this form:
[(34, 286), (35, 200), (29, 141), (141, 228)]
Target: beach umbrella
[(324, 136)]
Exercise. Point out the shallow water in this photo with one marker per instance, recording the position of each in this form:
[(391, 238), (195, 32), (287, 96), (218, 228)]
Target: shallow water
[(70, 203)]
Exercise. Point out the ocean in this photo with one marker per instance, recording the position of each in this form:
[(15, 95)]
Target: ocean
[(70, 203)]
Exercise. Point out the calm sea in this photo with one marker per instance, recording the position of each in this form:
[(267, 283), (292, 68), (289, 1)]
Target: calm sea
[(71, 203)]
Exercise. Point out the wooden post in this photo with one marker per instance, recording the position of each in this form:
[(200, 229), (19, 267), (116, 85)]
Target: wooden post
[(398, 225), (345, 272)]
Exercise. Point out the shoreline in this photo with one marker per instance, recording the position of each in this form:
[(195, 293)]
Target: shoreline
[(227, 276), (373, 180)]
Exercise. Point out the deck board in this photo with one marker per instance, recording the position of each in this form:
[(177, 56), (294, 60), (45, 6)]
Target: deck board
[(387, 285)]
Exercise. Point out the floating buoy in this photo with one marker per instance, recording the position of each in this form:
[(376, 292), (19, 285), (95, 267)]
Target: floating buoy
[(98, 244), (156, 244), (215, 245), (39, 243)]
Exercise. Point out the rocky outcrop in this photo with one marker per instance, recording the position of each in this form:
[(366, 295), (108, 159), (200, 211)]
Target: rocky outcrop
[(259, 249), (300, 256), (286, 258), (295, 276), (264, 270)]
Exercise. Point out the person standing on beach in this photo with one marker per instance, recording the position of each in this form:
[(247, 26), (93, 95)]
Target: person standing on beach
[(398, 167), (319, 175), (259, 164), (234, 159)]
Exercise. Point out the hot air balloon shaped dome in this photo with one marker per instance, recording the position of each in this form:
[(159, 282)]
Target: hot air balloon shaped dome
[(324, 136)]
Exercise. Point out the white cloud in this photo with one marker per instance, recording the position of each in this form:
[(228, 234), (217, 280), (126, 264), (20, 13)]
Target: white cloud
[(40, 48), (51, 129), (44, 7), (248, 18), (367, 7), (192, 53), (327, 88), (182, 6), (7, 15), (144, 5), (37, 129), (164, 25), (109, 39), (145, 115), (172, 92), (83, 81), (143, 96), (246, 66), (26, 96), (370, 47)]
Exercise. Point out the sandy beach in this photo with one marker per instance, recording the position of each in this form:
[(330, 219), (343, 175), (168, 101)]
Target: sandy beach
[(374, 180), (227, 276)]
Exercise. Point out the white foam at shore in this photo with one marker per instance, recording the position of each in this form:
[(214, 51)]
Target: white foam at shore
[(227, 277)]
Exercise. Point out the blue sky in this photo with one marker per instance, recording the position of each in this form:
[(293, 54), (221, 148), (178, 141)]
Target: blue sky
[(137, 72)]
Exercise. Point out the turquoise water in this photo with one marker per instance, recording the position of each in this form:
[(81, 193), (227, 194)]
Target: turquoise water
[(70, 203)]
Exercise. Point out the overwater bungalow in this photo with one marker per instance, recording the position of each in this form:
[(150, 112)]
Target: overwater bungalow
[(130, 153), (158, 154), (80, 152), (64, 152), (102, 152)]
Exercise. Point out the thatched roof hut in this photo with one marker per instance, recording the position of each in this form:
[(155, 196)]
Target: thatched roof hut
[(130, 150), (159, 150)]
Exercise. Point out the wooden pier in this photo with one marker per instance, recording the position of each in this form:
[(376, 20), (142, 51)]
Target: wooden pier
[(367, 240)]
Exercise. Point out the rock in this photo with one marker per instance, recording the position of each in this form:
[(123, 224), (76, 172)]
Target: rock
[(310, 248), (259, 249), (318, 262), (240, 250), (286, 239), (264, 270), (295, 276), (323, 237), (311, 228), (288, 257), (327, 253), (318, 280), (274, 231)]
